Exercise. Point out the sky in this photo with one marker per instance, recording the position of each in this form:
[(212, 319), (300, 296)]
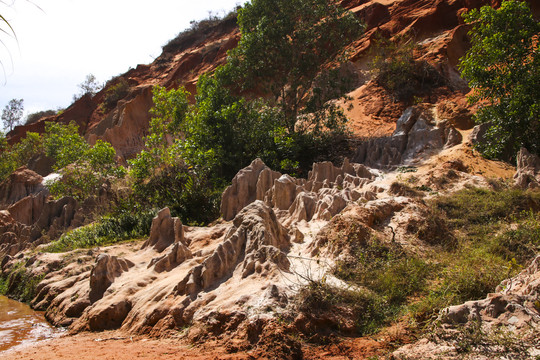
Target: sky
[(59, 42)]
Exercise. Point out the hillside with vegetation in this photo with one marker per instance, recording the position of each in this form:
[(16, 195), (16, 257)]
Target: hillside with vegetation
[(297, 179)]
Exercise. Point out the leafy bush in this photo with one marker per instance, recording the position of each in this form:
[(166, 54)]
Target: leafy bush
[(189, 195), (84, 168), (224, 133), (164, 174), (169, 111), (85, 177), (366, 309), (63, 143)]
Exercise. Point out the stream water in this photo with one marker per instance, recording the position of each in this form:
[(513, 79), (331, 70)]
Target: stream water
[(20, 325)]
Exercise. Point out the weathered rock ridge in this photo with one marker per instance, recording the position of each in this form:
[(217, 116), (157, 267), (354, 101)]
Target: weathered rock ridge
[(230, 280), (324, 194)]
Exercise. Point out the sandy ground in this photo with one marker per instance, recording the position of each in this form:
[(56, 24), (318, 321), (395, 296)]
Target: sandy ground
[(114, 346)]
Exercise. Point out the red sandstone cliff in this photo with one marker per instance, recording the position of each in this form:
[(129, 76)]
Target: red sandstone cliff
[(435, 25)]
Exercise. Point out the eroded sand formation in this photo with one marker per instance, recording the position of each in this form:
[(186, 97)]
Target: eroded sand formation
[(234, 279)]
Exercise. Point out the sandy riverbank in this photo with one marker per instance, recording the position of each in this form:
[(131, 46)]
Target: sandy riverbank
[(115, 346)]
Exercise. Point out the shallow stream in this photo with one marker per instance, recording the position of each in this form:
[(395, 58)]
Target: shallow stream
[(20, 325)]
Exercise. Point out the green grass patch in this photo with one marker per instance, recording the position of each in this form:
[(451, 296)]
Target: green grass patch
[(381, 278), (522, 242), (497, 234), (385, 269), (106, 231), (468, 274), (474, 239), (473, 206)]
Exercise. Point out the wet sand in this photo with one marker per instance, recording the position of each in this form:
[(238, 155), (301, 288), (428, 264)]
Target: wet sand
[(20, 325)]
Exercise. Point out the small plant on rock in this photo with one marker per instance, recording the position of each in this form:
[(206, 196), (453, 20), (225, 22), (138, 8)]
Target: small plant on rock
[(115, 93), (399, 73)]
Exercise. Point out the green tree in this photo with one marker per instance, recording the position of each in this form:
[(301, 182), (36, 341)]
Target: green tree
[(24, 150), (503, 69), (85, 177), (284, 46), (224, 133), (17, 155), (63, 143), (84, 168), (161, 175), (12, 113), (168, 115)]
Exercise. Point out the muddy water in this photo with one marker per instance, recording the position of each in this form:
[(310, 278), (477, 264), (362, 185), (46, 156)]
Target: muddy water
[(20, 325)]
